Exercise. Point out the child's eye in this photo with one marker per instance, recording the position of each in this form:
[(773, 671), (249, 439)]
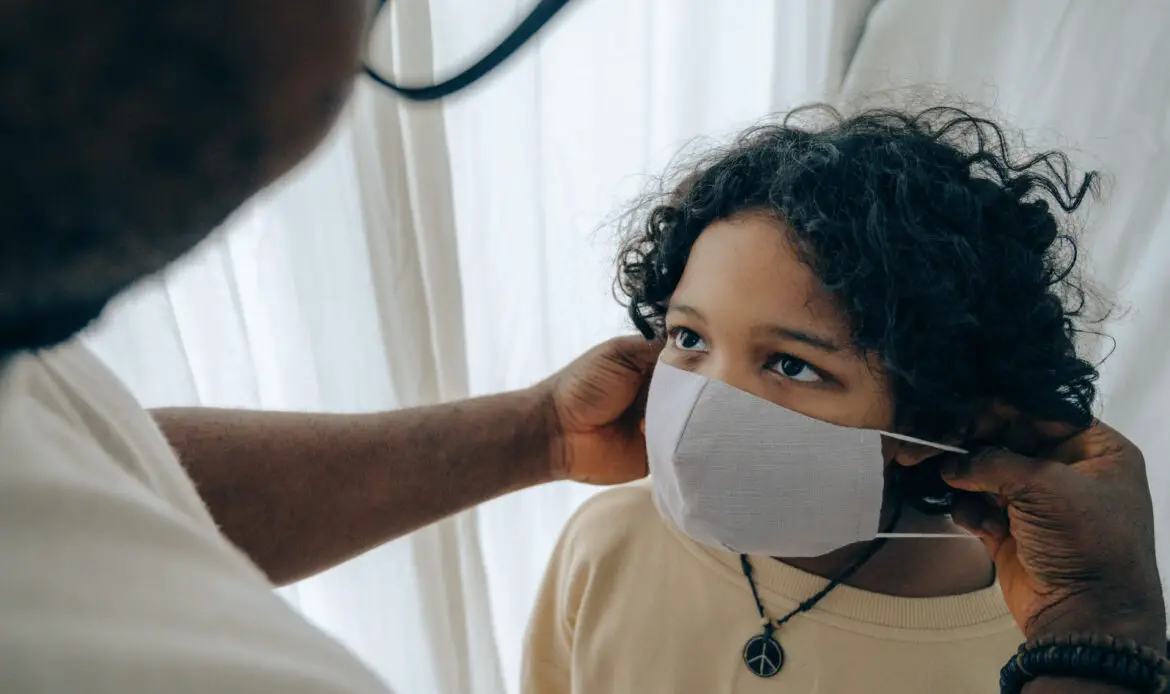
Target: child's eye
[(790, 367), (687, 340)]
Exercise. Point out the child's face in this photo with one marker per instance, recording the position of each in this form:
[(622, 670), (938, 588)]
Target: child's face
[(747, 312)]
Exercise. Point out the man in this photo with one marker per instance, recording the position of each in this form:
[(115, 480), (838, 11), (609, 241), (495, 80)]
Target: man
[(130, 131)]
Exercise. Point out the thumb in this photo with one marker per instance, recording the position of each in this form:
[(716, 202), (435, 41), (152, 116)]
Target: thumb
[(995, 471), (634, 353)]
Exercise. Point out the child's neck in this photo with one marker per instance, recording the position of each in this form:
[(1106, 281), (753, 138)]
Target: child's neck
[(912, 568)]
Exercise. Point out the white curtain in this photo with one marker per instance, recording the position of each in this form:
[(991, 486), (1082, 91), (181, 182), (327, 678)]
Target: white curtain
[(430, 253)]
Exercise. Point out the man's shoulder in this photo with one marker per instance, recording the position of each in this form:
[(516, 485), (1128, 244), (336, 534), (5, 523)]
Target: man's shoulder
[(115, 578), (63, 413)]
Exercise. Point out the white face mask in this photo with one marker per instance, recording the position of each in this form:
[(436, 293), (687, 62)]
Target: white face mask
[(740, 473)]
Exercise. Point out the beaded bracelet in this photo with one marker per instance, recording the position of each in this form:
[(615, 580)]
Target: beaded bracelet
[(1096, 657)]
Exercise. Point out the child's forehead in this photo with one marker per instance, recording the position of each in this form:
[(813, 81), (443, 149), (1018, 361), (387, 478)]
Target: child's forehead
[(745, 270)]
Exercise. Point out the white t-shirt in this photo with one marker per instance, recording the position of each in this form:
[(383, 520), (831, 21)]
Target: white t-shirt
[(113, 577)]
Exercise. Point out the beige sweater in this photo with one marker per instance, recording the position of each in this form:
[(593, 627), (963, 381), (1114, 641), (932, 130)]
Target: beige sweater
[(629, 605)]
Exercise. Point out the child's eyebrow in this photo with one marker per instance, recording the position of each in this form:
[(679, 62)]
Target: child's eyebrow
[(688, 310), (822, 343)]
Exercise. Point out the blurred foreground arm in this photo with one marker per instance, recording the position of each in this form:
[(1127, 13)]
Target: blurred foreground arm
[(302, 492)]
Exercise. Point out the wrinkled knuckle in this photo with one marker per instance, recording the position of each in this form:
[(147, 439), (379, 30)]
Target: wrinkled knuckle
[(1048, 475)]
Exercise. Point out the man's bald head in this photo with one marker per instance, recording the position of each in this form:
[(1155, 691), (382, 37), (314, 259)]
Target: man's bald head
[(129, 130)]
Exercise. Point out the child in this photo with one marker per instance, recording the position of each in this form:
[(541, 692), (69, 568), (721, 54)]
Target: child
[(889, 272)]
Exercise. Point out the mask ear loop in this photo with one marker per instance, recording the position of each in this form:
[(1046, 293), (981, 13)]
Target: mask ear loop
[(926, 536), (534, 22), (924, 442)]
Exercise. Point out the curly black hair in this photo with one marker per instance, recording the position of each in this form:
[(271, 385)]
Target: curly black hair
[(951, 254)]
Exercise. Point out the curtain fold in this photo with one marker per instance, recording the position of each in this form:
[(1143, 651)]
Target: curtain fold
[(545, 153)]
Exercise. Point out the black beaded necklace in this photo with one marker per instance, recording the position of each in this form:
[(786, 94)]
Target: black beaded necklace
[(762, 654)]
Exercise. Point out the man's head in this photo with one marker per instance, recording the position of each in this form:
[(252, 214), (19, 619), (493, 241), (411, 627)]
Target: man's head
[(130, 130), (900, 271)]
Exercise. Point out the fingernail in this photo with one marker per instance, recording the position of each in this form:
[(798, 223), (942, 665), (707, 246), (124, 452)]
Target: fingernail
[(958, 468)]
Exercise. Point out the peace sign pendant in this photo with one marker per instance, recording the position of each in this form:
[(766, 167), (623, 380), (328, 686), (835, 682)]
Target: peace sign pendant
[(763, 655)]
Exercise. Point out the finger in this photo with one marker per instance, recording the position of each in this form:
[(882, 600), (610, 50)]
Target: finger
[(636, 413), (1099, 443), (634, 353), (980, 514), (1004, 425), (998, 471)]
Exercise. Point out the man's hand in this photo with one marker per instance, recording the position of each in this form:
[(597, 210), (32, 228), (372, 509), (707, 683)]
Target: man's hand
[(1071, 533), (595, 409)]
